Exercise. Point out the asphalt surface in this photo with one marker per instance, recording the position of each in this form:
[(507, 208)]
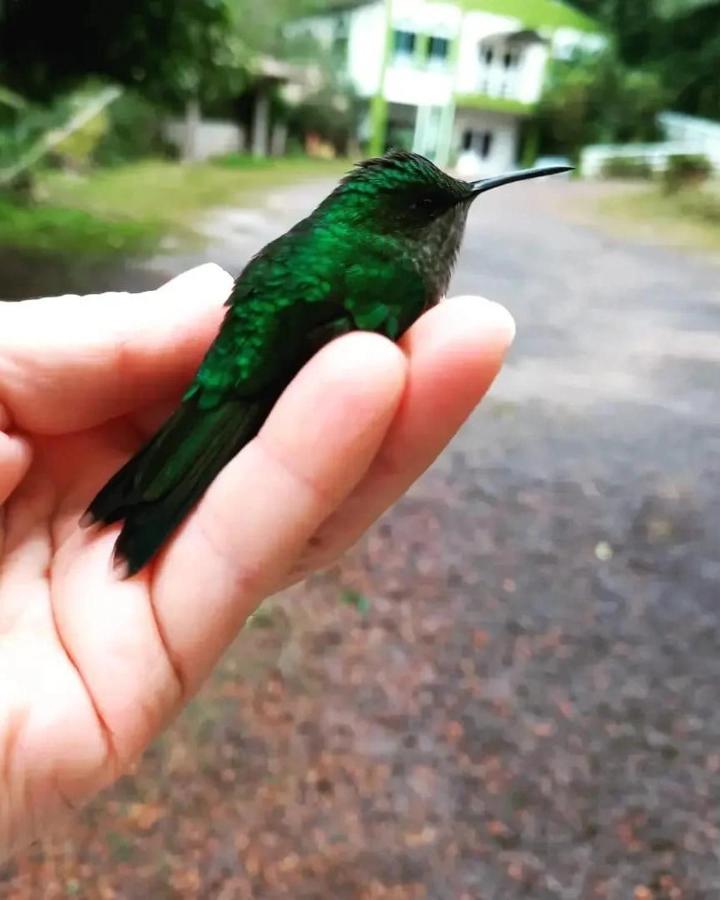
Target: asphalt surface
[(536, 682)]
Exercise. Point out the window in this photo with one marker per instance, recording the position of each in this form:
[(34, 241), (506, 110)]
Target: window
[(438, 49), (487, 54), (404, 43), (486, 144), (480, 142)]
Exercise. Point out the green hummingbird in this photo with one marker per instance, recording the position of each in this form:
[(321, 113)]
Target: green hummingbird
[(373, 256)]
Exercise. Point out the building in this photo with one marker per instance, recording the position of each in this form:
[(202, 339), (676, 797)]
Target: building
[(451, 80)]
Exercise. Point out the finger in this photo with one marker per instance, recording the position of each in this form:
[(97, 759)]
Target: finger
[(68, 363), (260, 511), (15, 457), (454, 353)]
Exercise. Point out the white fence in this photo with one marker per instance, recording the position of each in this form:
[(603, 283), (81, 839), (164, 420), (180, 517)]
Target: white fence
[(686, 135), (594, 158)]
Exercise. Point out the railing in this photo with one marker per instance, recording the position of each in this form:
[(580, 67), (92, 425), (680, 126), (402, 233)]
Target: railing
[(594, 158), (498, 83)]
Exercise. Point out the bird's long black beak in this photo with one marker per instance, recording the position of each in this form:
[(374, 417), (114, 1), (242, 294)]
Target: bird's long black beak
[(487, 184)]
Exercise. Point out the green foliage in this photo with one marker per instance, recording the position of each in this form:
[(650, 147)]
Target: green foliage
[(242, 161), (625, 167), (11, 99), (133, 131), (127, 209), (358, 601), (68, 128), (686, 171), (333, 113), (594, 98), (78, 149), (72, 231), (169, 50), (687, 57), (172, 50), (21, 126), (677, 40)]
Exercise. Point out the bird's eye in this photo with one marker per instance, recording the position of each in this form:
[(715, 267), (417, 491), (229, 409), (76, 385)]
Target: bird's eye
[(426, 204)]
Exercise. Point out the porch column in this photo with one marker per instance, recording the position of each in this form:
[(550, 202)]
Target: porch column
[(261, 122)]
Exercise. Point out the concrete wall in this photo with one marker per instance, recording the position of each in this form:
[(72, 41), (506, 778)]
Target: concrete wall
[(365, 48), (504, 146), (211, 138)]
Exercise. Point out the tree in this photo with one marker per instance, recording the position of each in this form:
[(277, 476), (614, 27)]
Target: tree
[(170, 49), (678, 40), (687, 57), (594, 98)]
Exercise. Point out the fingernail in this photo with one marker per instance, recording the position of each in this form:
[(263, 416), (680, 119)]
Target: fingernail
[(504, 320), (495, 316), (209, 278)]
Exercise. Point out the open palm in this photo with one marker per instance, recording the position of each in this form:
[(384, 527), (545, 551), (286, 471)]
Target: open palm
[(91, 667)]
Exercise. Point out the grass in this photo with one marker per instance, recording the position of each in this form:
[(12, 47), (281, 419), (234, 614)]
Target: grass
[(128, 209), (688, 218), (68, 231)]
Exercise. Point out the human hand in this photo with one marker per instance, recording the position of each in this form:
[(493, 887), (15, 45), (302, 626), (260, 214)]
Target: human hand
[(92, 668)]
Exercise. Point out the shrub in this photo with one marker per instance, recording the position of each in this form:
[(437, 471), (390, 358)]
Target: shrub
[(133, 132), (685, 171), (627, 167)]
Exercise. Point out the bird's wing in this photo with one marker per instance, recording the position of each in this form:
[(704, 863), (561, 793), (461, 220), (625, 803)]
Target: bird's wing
[(384, 293), (276, 319)]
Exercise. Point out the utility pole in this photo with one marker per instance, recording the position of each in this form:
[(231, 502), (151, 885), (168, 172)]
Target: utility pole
[(378, 107)]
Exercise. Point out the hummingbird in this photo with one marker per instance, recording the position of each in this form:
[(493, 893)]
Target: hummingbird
[(373, 256)]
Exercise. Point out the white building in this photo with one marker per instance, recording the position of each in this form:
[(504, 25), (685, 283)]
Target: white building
[(451, 80)]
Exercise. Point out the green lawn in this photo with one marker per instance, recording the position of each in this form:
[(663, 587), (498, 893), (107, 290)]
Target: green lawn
[(688, 218), (128, 209)]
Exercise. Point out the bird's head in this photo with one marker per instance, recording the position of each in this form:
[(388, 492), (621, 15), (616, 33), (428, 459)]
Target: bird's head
[(406, 194)]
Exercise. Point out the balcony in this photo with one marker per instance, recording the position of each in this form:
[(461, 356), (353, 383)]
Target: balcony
[(502, 72)]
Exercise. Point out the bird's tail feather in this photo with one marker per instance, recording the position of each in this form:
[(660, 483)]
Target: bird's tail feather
[(159, 486)]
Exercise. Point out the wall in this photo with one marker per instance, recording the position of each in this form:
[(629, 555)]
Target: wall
[(365, 48), (503, 153), (211, 138)]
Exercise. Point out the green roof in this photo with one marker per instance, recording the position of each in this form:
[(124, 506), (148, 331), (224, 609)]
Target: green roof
[(493, 104), (532, 13), (536, 13)]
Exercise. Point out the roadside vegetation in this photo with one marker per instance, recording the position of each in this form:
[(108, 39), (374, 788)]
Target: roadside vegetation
[(128, 209), (687, 218)]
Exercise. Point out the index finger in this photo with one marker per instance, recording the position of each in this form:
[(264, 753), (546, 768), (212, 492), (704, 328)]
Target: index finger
[(69, 363)]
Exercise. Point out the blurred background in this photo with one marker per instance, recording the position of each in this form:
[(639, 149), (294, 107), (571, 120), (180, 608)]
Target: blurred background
[(507, 690)]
